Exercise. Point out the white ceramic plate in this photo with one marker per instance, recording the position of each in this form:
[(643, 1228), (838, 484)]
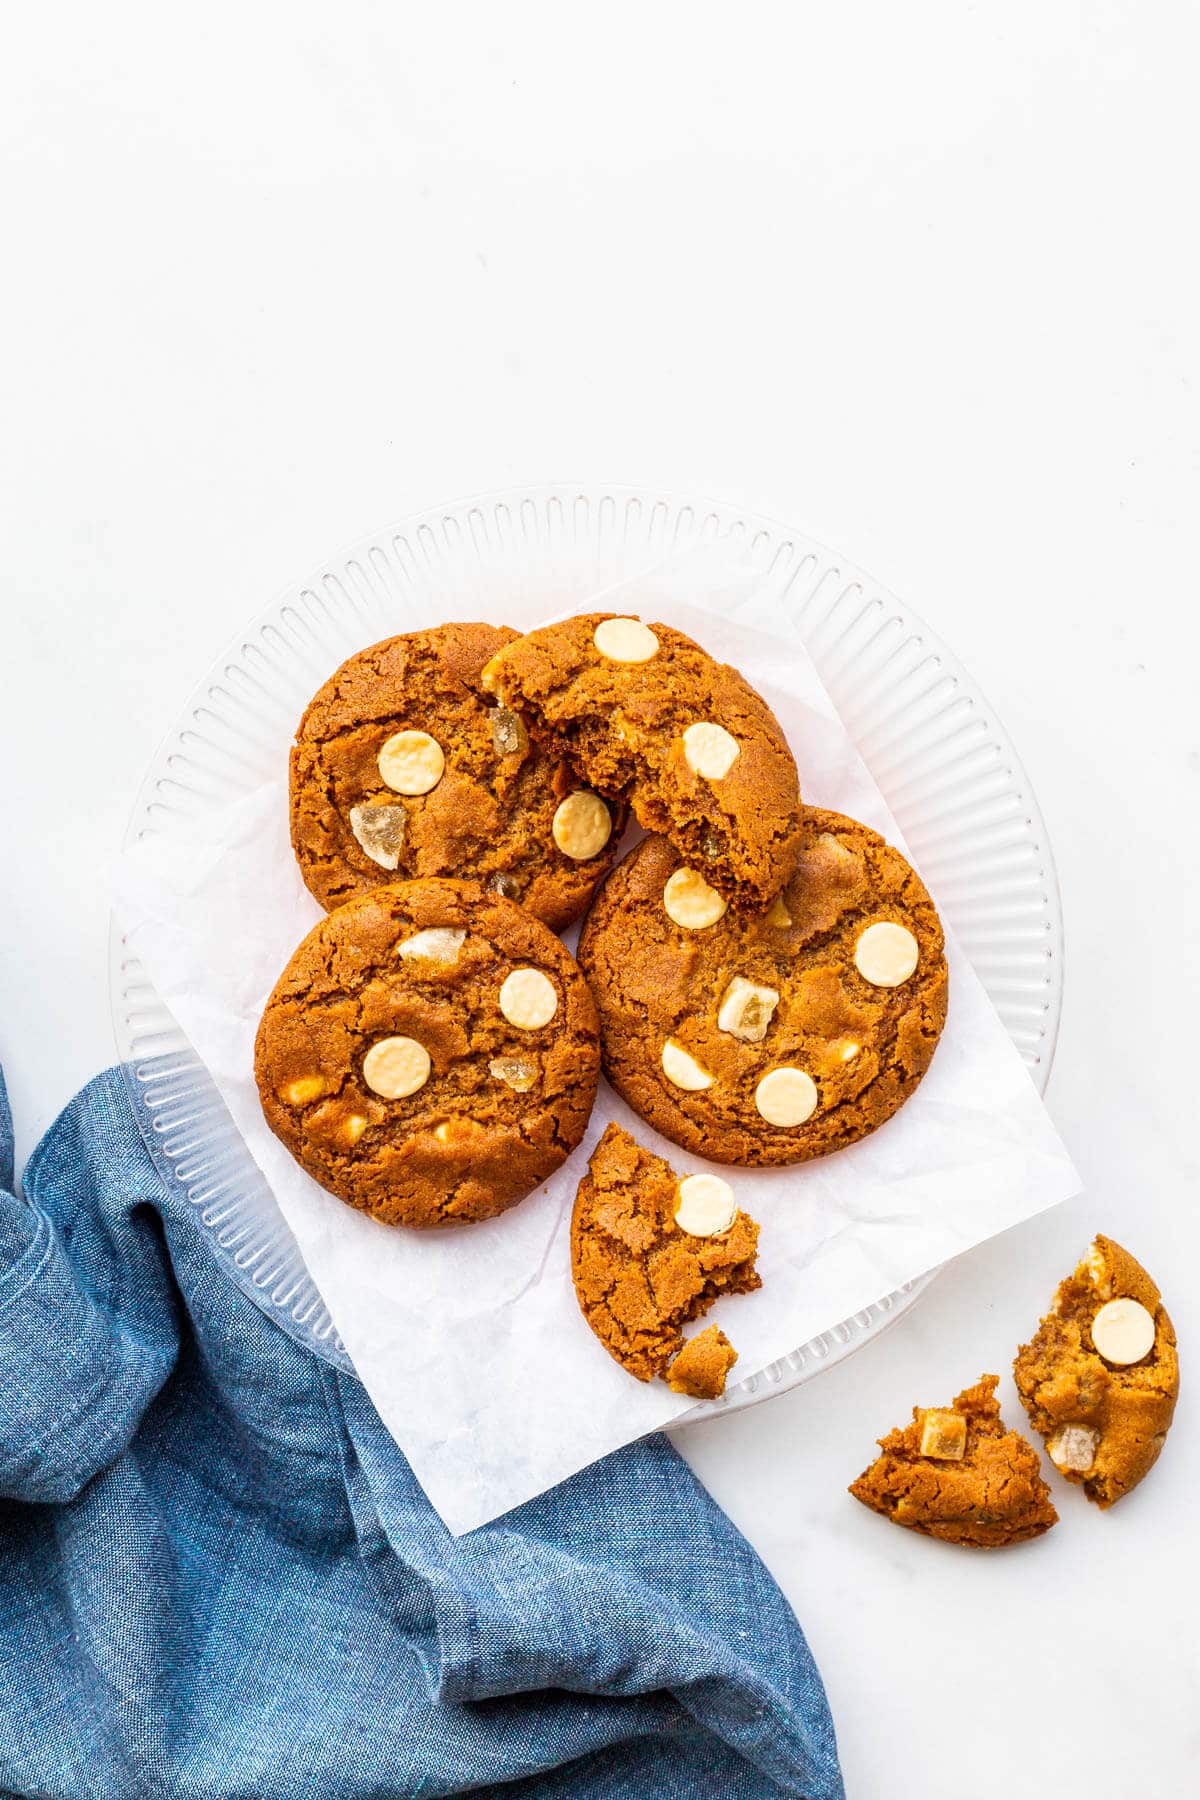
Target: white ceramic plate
[(942, 759)]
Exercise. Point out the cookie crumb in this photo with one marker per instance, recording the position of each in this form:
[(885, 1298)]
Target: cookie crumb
[(702, 1365)]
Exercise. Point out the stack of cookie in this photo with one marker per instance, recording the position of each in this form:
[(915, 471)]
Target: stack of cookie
[(761, 981)]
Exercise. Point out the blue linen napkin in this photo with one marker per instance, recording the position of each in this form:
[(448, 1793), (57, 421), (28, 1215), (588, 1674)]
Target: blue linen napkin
[(219, 1578)]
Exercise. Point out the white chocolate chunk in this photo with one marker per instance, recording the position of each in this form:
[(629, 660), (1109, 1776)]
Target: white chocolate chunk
[(304, 1089), (747, 1010), (456, 1131), (682, 1069), (849, 1052), (528, 999), (778, 914), (1123, 1331), (354, 1127), (886, 954), (516, 1072), (710, 750), (625, 640), (834, 849), (1073, 1447), (786, 1097), (379, 830), (690, 902), (1097, 1264), (439, 944), (706, 1206), (943, 1435), (582, 825), (395, 1067), (411, 762)]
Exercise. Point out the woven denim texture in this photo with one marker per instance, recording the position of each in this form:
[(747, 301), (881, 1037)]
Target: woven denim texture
[(218, 1577)]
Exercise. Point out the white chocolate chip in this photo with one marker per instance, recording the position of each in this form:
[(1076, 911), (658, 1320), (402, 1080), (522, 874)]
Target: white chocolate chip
[(706, 1206), (848, 1052), (682, 1069), (747, 1009), (1123, 1331), (439, 944), (379, 829), (786, 1097), (625, 640), (710, 750), (411, 762), (395, 1067), (943, 1435), (689, 901), (778, 914), (354, 1127), (516, 1072), (509, 736), (582, 825), (1073, 1447), (528, 999), (304, 1089), (886, 954)]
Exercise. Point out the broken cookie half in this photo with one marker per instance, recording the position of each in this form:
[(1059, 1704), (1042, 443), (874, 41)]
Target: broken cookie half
[(650, 1252), (1100, 1378), (958, 1474)]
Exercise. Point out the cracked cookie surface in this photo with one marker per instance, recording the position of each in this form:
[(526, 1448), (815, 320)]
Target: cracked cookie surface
[(429, 1054), (758, 1039), (645, 714), (639, 1276), (957, 1474), (460, 793), (1104, 1420)]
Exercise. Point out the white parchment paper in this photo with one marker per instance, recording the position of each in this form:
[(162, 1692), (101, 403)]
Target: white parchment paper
[(470, 1343)]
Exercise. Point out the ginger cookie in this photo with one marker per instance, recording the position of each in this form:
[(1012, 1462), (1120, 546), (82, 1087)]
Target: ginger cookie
[(650, 1252), (429, 1054), (642, 713), (1101, 1377), (402, 768), (777, 1036), (957, 1474)]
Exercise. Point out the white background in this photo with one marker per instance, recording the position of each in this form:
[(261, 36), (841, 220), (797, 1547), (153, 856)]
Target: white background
[(922, 281)]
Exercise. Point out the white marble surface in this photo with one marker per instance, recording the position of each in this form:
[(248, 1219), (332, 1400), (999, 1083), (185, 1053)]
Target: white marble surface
[(922, 283)]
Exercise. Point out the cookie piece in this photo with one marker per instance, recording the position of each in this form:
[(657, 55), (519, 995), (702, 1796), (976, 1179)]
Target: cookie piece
[(429, 1054), (1101, 1377), (957, 1474), (774, 1037), (643, 713), (402, 768), (650, 1252), (702, 1365)]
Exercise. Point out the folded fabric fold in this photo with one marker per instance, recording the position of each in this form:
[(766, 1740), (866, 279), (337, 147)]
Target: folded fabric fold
[(220, 1577)]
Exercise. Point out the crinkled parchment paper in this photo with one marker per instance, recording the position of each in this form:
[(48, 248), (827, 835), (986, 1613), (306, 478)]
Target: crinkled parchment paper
[(470, 1342)]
